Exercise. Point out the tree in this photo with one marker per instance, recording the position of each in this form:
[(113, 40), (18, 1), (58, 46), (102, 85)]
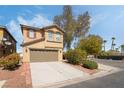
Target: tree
[(74, 28), (122, 49), (113, 45), (57, 20), (66, 22), (82, 26), (92, 44), (104, 42)]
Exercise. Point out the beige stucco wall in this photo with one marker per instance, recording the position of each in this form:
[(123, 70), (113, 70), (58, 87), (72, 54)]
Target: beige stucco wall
[(60, 56), (27, 39), (26, 55), (1, 34), (58, 45), (43, 44), (37, 45), (54, 44)]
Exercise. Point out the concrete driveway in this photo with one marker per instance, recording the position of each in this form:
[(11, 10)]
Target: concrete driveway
[(47, 73)]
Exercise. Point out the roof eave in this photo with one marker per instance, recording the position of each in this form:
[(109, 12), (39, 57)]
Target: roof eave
[(5, 28), (55, 25)]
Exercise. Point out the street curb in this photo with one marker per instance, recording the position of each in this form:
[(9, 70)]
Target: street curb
[(27, 75), (2, 83)]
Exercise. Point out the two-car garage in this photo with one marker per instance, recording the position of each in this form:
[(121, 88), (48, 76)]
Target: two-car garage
[(43, 55)]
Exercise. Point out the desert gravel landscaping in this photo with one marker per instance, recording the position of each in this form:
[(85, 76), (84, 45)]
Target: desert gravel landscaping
[(16, 78)]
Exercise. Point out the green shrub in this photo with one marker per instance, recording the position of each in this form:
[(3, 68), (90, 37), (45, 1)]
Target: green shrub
[(103, 55), (75, 56), (11, 61), (90, 64), (1, 61)]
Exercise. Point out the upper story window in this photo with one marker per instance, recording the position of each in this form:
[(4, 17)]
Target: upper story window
[(31, 34), (57, 36), (50, 36)]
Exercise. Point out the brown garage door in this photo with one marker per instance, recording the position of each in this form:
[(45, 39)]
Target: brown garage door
[(37, 55)]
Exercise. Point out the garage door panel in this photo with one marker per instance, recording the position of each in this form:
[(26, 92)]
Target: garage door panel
[(43, 55)]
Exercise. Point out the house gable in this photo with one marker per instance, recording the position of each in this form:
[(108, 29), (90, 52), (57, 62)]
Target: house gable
[(4, 30), (54, 30), (45, 30), (53, 27), (26, 30)]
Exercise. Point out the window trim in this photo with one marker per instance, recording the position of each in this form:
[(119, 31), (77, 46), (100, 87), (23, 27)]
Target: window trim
[(50, 39), (33, 33), (59, 37)]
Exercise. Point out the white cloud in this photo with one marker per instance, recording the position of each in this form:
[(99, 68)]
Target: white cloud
[(22, 20), (14, 26), (38, 21), (15, 30)]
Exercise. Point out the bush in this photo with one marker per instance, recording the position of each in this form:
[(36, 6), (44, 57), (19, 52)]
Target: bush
[(11, 61), (90, 64), (103, 55), (92, 44), (75, 56), (1, 61)]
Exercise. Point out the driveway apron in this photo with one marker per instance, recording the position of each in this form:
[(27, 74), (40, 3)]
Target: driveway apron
[(44, 73)]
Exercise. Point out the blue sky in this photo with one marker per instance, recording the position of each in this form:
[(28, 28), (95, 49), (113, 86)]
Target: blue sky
[(106, 21)]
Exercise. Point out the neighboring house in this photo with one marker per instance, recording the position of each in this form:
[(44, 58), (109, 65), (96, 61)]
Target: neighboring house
[(42, 44), (7, 42)]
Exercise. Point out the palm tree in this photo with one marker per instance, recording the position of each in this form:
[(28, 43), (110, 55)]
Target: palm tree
[(112, 45), (122, 49), (104, 44)]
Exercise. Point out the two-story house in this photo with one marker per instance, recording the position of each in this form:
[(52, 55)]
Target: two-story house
[(7, 42), (42, 44)]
